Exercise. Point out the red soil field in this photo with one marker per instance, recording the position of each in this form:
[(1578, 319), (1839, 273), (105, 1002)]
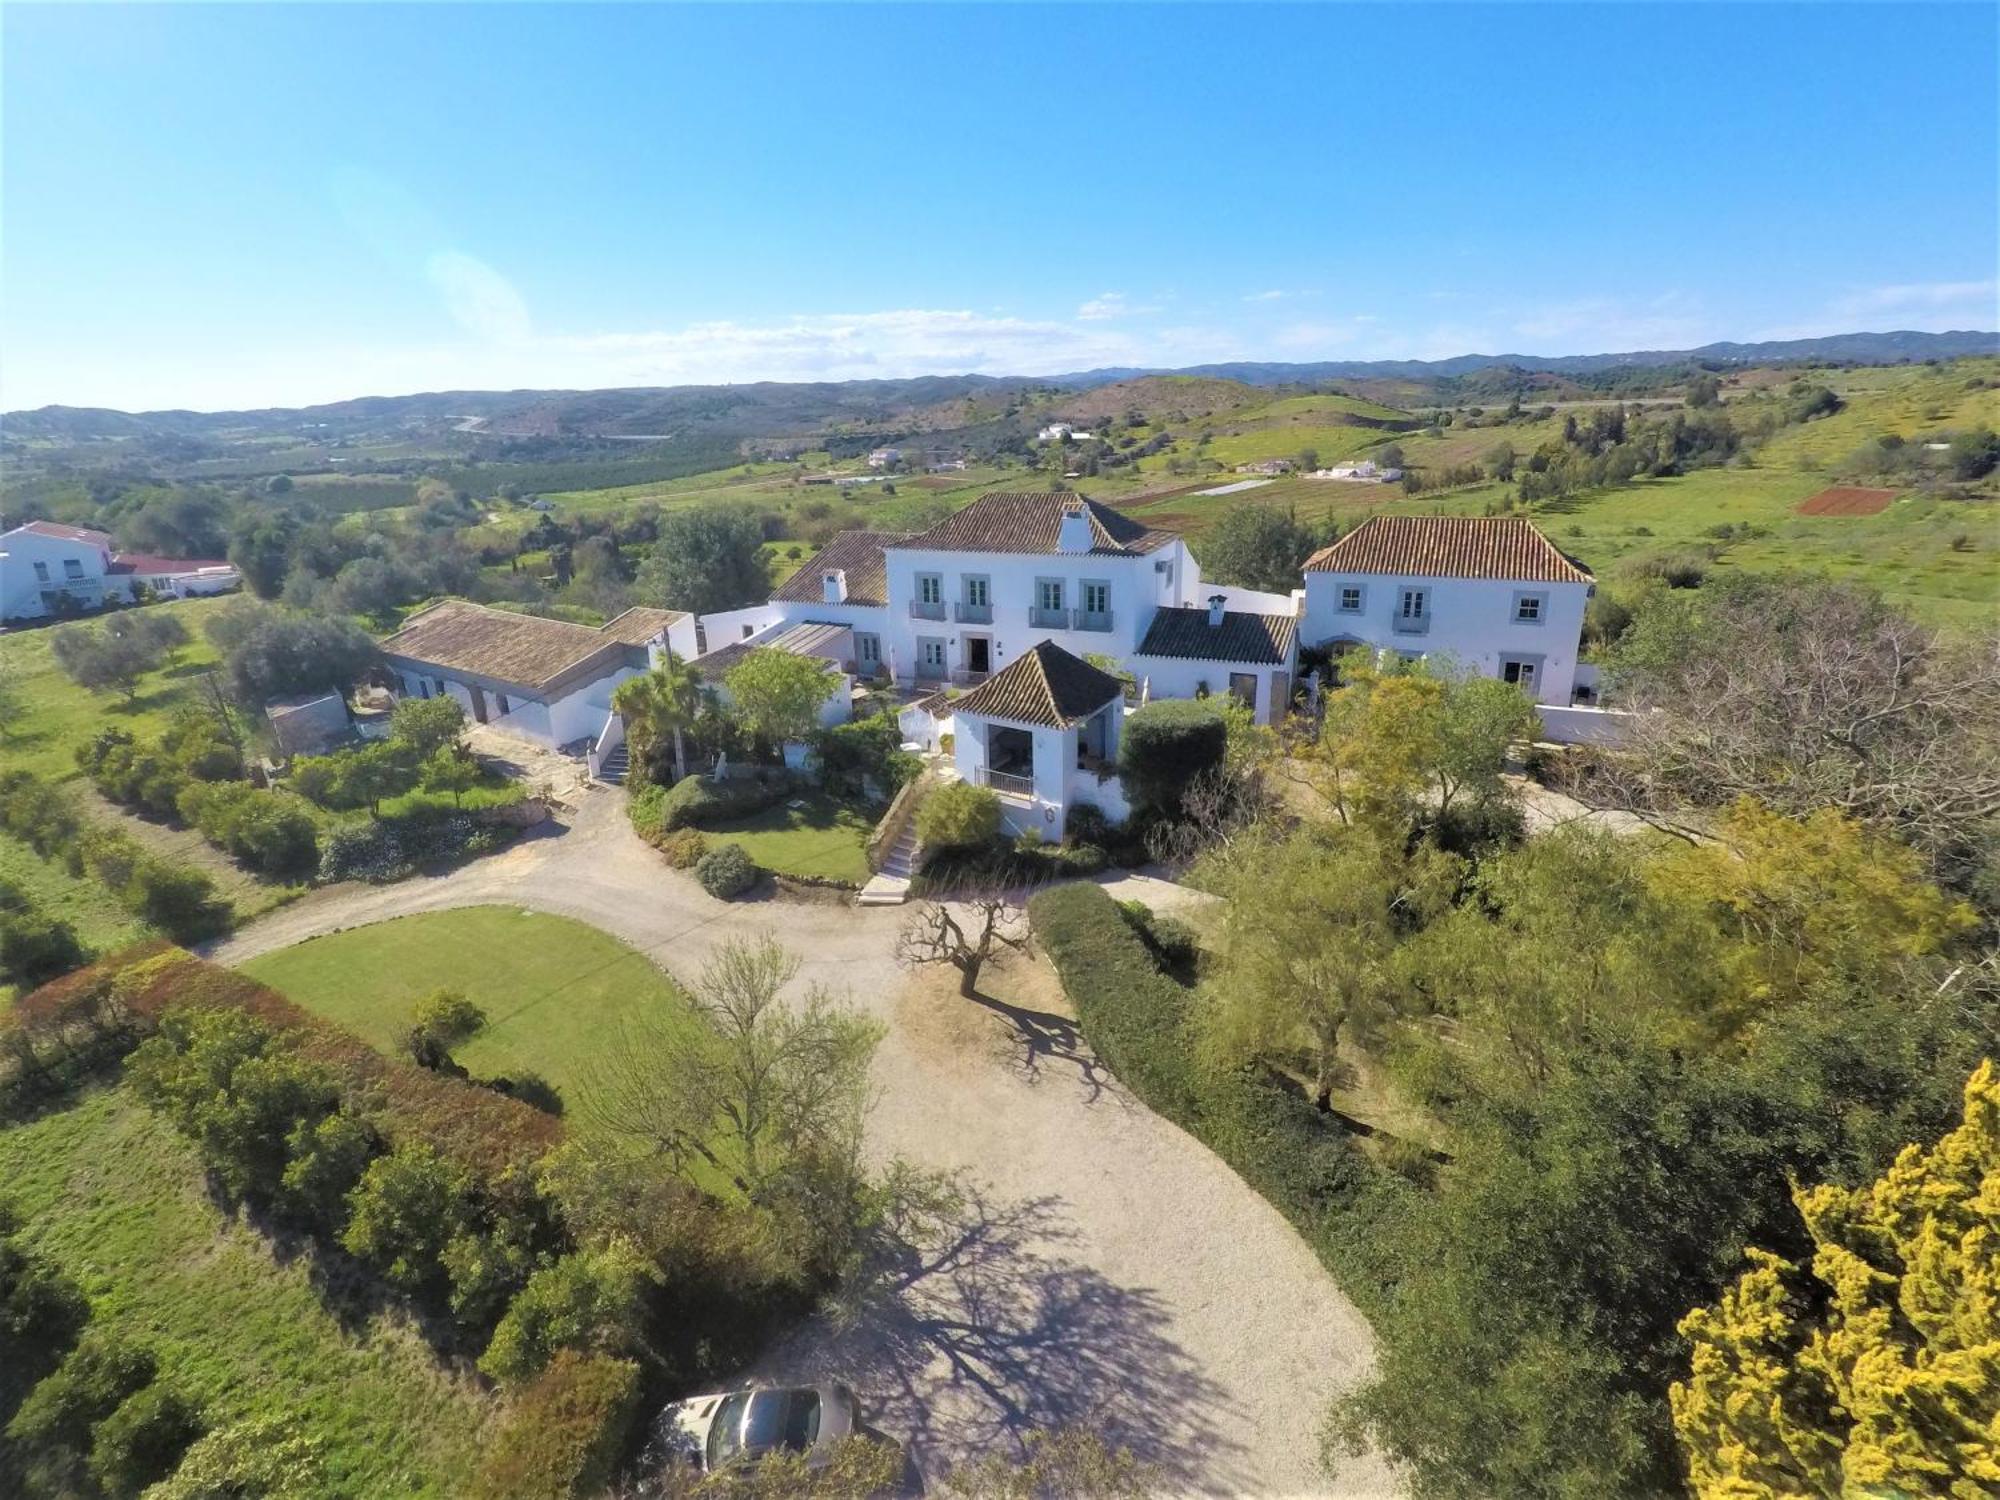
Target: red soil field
[(1846, 500)]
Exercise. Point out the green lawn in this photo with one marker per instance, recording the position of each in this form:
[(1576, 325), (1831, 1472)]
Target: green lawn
[(553, 990), (116, 1199), (820, 839), (57, 715)]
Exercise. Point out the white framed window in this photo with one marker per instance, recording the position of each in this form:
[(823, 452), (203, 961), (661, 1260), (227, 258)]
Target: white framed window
[(867, 648), (1414, 604), (930, 588), (1096, 597), (41, 572), (72, 568), (1351, 597), (933, 649), (1048, 593), (978, 590), (1523, 671), (1530, 609)]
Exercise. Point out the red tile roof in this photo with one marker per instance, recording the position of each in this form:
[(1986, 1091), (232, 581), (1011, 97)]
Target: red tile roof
[(1044, 685), (1506, 548), (1242, 637), (1031, 523), (67, 533), (856, 553), (144, 563)]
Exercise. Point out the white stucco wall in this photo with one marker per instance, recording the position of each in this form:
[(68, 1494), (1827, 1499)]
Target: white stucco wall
[(1472, 622), (21, 590), (727, 626), (1176, 677), (1137, 588)]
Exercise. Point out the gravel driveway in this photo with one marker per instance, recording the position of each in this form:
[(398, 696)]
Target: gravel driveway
[(1106, 1271)]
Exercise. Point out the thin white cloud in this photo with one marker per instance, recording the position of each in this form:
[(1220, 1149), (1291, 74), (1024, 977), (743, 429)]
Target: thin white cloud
[(1925, 306), (1103, 305), (1926, 296), (480, 300), (1270, 296)]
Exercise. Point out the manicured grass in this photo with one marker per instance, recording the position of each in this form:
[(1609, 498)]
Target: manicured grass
[(115, 1198), (554, 990), (57, 715), (821, 839)]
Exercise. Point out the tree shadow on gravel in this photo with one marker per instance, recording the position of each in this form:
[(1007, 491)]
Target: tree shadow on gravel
[(1044, 1037), (970, 1326)]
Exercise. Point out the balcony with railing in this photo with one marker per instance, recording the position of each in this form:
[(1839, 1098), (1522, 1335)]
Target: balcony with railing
[(1091, 619), (1048, 619), (968, 613), (927, 609), (1008, 783)]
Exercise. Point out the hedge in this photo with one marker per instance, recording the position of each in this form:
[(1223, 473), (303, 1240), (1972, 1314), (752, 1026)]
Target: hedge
[(385, 849), (1163, 747), (1138, 1020), (566, 1431), (702, 802)]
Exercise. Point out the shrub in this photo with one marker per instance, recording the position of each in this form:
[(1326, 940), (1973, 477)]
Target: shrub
[(1028, 841), (726, 871), (684, 847), (1082, 859), (1086, 824), (1166, 745), (393, 848), (449, 1016), (703, 802), (181, 903), (566, 1431), (268, 831), (646, 807), (142, 1442), (959, 815), (870, 750), (589, 1302), (34, 949), (262, 1457), (407, 1207), (86, 1388), (427, 725), (41, 1310)]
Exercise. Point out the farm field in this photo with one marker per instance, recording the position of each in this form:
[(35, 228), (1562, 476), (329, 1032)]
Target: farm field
[(553, 990), (117, 1199)]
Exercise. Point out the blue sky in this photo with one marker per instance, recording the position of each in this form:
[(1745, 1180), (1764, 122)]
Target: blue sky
[(247, 206)]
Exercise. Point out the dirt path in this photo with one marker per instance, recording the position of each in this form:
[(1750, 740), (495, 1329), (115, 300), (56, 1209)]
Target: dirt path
[(1107, 1270)]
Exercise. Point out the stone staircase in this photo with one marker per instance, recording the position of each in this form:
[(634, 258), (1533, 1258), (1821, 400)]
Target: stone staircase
[(890, 885), (615, 767)]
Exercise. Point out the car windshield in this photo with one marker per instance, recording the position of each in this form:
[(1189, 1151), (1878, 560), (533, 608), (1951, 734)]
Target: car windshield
[(753, 1424)]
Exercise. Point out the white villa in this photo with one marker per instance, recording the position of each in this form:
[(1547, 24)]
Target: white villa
[(1489, 592), (1025, 625), (47, 568)]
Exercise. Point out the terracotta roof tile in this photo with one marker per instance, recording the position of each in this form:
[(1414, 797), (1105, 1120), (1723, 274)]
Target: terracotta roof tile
[(1265, 640), (1498, 547), (1044, 685), (527, 651), (639, 624), (856, 553), (1031, 523), (67, 533)]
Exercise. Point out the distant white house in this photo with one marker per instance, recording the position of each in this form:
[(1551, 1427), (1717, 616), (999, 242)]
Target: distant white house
[(47, 568), (1365, 472), (1055, 432), (1272, 466), (882, 458)]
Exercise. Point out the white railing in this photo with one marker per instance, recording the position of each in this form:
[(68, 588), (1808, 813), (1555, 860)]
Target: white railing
[(1006, 781), (609, 739)]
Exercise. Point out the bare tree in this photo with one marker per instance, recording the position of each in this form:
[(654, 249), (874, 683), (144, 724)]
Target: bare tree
[(749, 1083), (934, 934), (1805, 696)]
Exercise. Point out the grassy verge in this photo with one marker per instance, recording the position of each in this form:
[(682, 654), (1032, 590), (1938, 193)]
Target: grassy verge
[(809, 835), (116, 1199), (554, 990)]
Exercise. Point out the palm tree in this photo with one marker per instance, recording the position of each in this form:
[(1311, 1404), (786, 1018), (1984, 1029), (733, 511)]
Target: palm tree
[(664, 701)]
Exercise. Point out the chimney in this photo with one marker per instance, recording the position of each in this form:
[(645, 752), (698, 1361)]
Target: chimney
[(833, 583), (1215, 603), (1075, 534)]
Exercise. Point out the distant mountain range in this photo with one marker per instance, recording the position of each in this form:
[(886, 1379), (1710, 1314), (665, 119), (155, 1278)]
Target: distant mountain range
[(1839, 348), (766, 408)]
